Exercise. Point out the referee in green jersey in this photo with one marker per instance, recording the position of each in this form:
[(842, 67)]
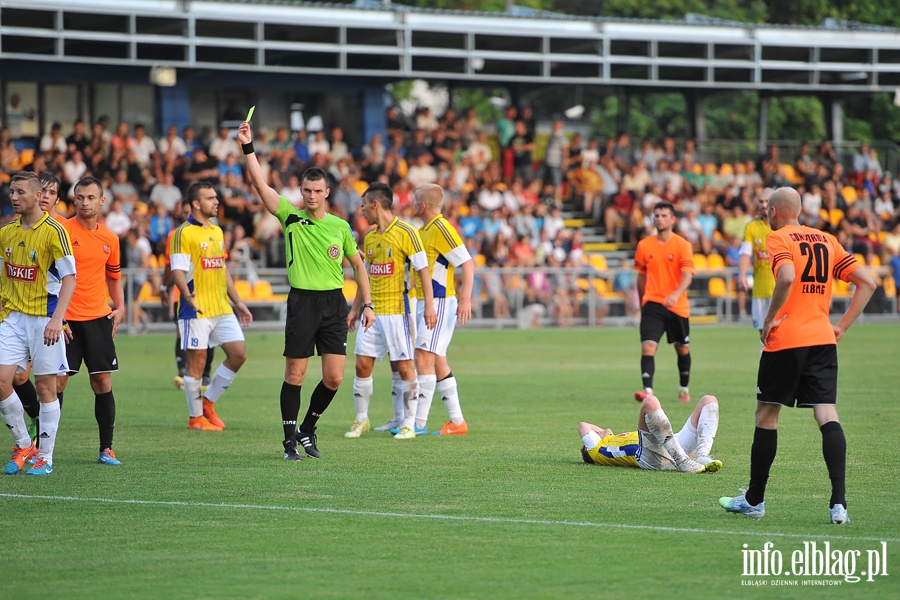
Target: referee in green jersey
[(316, 244)]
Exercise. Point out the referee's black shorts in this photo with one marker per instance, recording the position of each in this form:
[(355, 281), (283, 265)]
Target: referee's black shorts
[(92, 343), (656, 319), (798, 376), (316, 320)]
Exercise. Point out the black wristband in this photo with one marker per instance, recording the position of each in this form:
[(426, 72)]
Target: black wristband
[(247, 148)]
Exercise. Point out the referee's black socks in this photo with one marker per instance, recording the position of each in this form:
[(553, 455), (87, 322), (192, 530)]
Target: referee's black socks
[(321, 398), (290, 408), (28, 395)]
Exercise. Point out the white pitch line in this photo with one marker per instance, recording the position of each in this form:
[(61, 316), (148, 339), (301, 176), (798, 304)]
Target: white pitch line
[(437, 517)]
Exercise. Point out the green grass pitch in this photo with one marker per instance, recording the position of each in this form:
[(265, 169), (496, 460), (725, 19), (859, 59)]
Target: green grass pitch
[(507, 511)]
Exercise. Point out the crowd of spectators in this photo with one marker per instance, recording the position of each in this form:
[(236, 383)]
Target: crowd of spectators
[(507, 187)]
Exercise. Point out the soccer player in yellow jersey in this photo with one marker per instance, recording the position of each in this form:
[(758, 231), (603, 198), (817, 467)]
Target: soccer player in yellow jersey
[(654, 446), (754, 248), (22, 384), (446, 252), (387, 248), (205, 317), (36, 286)]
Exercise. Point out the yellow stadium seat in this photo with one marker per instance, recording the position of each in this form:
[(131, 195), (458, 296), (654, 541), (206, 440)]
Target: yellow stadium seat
[(710, 169), (154, 262), (840, 288), (890, 287), (726, 169), (697, 169), (598, 261), (262, 290), (717, 288), (350, 288), (850, 194), (715, 261), (700, 263), (360, 186), (876, 261), (243, 289), (859, 257), (791, 174), (480, 260), (146, 293)]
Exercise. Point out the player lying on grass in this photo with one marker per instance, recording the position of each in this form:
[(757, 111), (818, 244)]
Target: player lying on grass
[(654, 445)]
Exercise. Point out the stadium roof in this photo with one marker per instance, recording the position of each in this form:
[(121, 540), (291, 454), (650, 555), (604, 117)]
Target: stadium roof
[(394, 42)]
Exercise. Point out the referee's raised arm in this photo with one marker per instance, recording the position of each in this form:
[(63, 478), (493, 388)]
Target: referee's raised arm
[(268, 195)]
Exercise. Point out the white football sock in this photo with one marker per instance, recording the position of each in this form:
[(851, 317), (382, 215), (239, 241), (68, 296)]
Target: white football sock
[(221, 379), (707, 425), (450, 396), (194, 395), (426, 394), (14, 417), (410, 401), (397, 387), (49, 425), (658, 424), (362, 396)]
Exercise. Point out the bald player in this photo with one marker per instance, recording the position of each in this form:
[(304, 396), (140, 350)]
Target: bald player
[(799, 365)]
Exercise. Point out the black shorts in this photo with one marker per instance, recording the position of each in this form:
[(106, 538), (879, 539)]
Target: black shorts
[(316, 320), (656, 318), (798, 376), (92, 343)]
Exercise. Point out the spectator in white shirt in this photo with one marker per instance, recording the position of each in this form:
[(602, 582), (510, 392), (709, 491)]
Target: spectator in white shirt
[(292, 192), (75, 168), (224, 146), (143, 146), (166, 193), (116, 219), (54, 141), (319, 145)]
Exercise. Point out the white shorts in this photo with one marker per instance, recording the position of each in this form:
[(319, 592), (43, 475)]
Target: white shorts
[(389, 335), (436, 340), (206, 332), (22, 339), (758, 309), (653, 456)]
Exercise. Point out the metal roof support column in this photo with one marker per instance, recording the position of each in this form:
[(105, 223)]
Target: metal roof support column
[(835, 123), (762, 124)]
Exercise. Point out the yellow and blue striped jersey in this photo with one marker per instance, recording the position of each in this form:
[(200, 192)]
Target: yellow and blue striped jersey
[(445, 251), (755, 234), (200, 252), (386, 255), (34, 263), (617, 450)]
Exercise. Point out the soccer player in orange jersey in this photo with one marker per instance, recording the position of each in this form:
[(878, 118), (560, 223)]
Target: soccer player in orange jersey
[(799, 365), (665, 266), (36, 285), (92, 323)]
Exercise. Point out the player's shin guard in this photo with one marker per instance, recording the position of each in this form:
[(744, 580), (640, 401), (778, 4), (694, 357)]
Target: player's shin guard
[(49, 426), (290, 408), (105, 413), (28, 395), (684, 369), (221, 379), (397, 387), (410, 401), (194, 396), (320, 400), (427, 384), (450, 396), (362, 396), (648, 368), (707, 425), (14, 416), (834, 449), (659, 425), (762, 455)]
